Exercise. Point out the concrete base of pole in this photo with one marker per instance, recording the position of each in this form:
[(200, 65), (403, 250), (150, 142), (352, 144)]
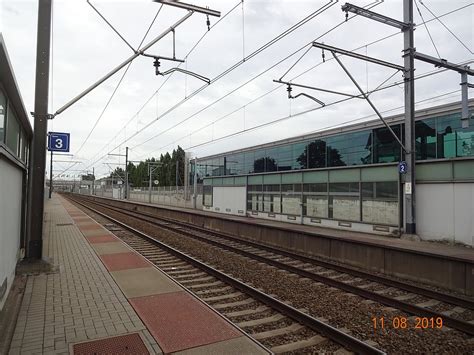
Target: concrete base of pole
[(410, 228)]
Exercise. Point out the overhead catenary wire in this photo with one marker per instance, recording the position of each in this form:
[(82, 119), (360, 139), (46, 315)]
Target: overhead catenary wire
[(236, 65), (266, 124), (238, 88), (167, 78), (446, 27), (445, 14), (230, 69), (118, 85), (427, 30), (377, 89)]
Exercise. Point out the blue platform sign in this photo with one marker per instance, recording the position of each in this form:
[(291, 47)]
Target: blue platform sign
[(58, 142), (402, 167)]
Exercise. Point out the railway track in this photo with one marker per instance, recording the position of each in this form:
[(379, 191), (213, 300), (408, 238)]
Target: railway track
[(277, 325), (455, 312)]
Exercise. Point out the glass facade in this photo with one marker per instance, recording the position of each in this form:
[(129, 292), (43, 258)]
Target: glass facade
[(436, 138)]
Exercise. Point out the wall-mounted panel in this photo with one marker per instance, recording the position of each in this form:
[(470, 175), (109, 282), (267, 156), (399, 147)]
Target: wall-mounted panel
[(344, 175)]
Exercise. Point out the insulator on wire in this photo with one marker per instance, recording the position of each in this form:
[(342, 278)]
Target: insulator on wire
[(156, 64), (208, 23), (323, 55), (347, 15), (289, 91)]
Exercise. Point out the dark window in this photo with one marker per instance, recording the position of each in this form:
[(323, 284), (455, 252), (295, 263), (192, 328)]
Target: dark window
[(271, 159), (298, 150), (285, 158), (425, 139), (380, 190), (453, 140), (234, 164), (316, 154), (316, 188), (271, 188), (344, 187), (248, 162), (386, 148), (259, 161), (350, 149)]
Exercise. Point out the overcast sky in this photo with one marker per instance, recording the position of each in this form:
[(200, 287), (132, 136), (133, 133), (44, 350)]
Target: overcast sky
[(84, 49)]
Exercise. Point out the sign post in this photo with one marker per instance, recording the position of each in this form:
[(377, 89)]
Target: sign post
[(57, 142)]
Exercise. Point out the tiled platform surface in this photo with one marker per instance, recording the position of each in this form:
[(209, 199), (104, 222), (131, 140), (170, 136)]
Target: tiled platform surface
[(105, 289), (81, 302)]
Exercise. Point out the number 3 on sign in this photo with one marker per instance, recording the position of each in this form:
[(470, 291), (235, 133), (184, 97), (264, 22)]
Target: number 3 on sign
[(59, 143)]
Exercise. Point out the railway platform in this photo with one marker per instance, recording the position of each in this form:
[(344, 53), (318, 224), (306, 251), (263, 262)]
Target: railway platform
[(447, 266), (103, 297)]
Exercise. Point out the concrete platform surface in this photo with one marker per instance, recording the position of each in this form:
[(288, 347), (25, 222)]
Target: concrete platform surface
[(105, 297)]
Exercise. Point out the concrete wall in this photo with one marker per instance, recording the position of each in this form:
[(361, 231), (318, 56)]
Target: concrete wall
[(446, 211), (10, 223), (229, 199)]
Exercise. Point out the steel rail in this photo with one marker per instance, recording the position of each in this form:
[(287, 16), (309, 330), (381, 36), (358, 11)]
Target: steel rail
[(441, 296), (463, 326), (327, 330)]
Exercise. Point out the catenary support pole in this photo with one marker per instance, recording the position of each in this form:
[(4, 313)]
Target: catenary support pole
[(51, 176), (408, 57), (93, 181), (126, 174), (149, 185), (38, 157), (195, 184)]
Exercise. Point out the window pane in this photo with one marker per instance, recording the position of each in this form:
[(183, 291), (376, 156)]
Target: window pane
[(317, 154), (13, 132), (316, 206), (298, 156), (350, 149), (248, 162), (453, 140), (316, 188), (380, 202), (351, 188), (387, 149), (291, 204), (272, 188), (271, 159), (425, 139), (3, 114), (259, 161), (446, 129), (285, 160), (344, 208)]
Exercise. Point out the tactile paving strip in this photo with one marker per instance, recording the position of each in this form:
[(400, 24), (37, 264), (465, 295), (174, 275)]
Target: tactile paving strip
[(129, 344)]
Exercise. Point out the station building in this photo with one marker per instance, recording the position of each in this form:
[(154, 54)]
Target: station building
[(15, 139), (348, 178)]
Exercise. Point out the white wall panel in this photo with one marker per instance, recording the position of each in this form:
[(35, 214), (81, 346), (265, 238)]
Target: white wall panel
[(445, 211), (10, 221), (229, 199)]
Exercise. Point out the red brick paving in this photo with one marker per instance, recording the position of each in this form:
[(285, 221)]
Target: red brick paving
[(124, 261), (178, 321), (90, 226), (106, 238)]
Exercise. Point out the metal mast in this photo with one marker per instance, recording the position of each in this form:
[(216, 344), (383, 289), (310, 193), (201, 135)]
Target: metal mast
[(37, 166)]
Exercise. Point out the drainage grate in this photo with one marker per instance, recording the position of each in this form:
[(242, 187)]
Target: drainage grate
[(129, 344), (64, 224)]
